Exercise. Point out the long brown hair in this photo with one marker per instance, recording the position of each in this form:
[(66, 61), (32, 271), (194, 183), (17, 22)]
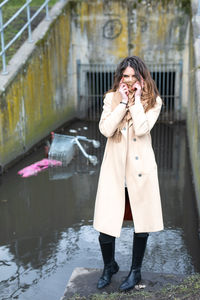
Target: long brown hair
[(149, 90)]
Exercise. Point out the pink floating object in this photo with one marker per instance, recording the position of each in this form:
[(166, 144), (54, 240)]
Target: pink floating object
[(37, 167)]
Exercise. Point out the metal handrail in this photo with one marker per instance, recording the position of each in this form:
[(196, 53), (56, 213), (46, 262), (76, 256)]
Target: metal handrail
[(198, 14), (198, 11), (2, 3), (26, 6)]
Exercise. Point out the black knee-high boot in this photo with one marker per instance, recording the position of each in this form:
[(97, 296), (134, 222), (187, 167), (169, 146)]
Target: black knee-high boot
[(107, 244), (134, 276)]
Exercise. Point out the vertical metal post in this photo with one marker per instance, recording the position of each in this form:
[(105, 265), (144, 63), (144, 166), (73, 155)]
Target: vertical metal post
[(78, 65), (108, 76), (97, 91), (158, 78), (2, 44), (156, 81), (180, 87), (93, 106), (90, 92), (47, 10), (164, 85), (172, 96), (163, 80), (198, 12), (29, 23), (101, 88), (168, 92), (104, 80), (86, 93)]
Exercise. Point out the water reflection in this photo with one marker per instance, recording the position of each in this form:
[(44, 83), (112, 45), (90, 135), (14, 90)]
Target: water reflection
[(46, 225)]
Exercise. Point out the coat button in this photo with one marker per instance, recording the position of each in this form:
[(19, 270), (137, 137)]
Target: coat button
[(136, 157), (124, 128), (134, 139), (139, 175)]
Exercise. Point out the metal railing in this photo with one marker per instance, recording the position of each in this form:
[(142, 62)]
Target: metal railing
[(198, 14), (27, 25)]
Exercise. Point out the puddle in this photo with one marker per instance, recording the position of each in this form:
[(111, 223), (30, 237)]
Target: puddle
[(46, 220)]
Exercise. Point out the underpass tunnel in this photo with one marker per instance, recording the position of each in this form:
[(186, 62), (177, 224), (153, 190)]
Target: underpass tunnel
[(95, 80)]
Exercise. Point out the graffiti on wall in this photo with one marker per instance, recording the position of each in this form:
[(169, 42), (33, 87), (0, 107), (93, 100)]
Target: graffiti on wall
[(112, 29)]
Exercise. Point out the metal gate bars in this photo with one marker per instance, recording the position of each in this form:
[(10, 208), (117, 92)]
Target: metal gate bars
[(94, 80)]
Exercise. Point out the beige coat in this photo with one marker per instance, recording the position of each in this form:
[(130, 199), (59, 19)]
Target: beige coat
[(132, 158)]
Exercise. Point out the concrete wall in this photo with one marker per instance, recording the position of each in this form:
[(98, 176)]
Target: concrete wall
[(35, 97), (106, 31), (158, 31), (40, 92), (193, 108)]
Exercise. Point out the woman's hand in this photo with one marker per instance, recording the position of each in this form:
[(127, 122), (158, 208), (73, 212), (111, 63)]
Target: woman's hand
[(123, 89), (138, 89)]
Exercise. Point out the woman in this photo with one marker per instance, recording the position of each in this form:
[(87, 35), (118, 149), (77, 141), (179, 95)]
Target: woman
[(130, 111)]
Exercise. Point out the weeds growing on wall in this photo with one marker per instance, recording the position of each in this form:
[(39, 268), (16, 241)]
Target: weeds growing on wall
[(185, 5)]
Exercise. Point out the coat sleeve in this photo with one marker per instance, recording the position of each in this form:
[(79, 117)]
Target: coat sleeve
[(110, 119), (144, 122)]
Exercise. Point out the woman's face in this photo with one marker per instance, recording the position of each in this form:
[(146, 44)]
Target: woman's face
[(129, 75)]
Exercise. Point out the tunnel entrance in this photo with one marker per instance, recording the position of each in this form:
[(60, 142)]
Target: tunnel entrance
[(94, 80)]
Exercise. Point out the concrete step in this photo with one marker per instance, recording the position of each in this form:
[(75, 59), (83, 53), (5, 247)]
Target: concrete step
[(83, 282)]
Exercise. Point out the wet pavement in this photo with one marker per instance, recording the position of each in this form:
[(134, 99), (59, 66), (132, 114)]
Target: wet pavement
[(46, 220), (83, 282)]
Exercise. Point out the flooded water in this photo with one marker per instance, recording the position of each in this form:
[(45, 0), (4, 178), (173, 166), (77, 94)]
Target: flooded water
[(46, 220)]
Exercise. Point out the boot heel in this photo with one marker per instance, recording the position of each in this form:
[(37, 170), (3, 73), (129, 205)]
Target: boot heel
[(108, 271), (133, 278)]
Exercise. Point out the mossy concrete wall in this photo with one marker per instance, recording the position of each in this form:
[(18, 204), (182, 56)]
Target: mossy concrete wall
[(158, 31), (35, 96), (41, 93), (107, 31), (193, 109)]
